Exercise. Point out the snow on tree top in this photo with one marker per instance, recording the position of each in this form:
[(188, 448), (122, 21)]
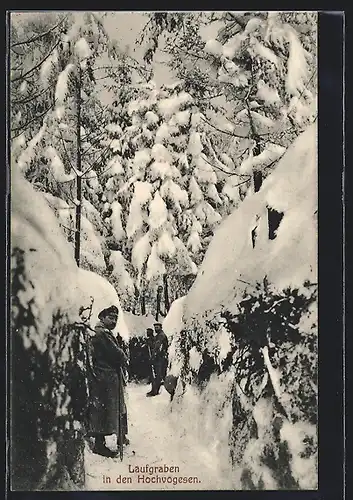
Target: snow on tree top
[(231, 68), (174, 192), (204, 171), (195, 192), (115, 145), (151, 117), (196, 118), (195, 145), (182, 117), (114, 167), (165, 245), (82, 49), (56, 202), (161, 153), (160, 170), (262, 122), (185, 263), (115, 218), (173, 322), (155, 266), (142, 192), (162, 133), (194, 242), (28, 153), (158, 212), (297, 70), (265, 158), (232, 46), (169, 106), (267, 94), (62, 84), (114, 128), (213, 47), (141, 159), (252, 25), (57, 166), (141, 251), (258, 49), (133, 106), (120, 275)]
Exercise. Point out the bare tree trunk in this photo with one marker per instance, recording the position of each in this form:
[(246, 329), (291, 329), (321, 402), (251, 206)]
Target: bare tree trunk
[(136, 299), (78, 167), (143, 302), (159, 298), (166, 294)]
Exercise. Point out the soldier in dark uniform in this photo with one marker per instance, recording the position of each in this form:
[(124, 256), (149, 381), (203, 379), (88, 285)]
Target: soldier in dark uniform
[(107, 410), (159, 359)]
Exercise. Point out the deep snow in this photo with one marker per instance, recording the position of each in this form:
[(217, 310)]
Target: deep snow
[(155, 440)]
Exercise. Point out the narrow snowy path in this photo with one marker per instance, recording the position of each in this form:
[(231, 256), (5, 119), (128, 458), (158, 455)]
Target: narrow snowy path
[(155, 443)]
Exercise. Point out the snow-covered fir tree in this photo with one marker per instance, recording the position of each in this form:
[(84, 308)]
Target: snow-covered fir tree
[(263, 64), (65, 152), (164, 199)]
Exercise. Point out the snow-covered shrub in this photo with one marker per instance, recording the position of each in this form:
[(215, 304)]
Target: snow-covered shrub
[(275, 361)]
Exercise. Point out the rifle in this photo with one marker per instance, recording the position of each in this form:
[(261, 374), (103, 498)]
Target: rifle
[(152, 367), (120, 410)]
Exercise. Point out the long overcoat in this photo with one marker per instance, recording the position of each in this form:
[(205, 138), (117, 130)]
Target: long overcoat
[(109, 363)]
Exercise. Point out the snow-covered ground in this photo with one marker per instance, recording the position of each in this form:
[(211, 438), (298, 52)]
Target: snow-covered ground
[(155, 441)]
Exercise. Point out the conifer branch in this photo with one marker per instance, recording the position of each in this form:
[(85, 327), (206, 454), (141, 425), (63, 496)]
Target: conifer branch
[(41, 35)]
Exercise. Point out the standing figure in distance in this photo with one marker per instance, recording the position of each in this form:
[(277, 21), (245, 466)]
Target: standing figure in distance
[(159, 359), (107, 407), (149, 348)]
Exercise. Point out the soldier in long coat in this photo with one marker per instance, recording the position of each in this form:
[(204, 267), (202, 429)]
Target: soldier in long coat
[(107, 407), (159, 359)]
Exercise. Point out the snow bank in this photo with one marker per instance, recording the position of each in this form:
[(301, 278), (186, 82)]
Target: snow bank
[(207, 435), (138, 324), (45, 290), (173, 322), (291, 188), (50, 265), (233, 411)]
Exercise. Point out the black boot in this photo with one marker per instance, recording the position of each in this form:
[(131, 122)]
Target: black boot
[(100, 448)]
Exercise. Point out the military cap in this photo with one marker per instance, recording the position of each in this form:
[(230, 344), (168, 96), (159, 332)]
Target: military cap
[(108, 310)]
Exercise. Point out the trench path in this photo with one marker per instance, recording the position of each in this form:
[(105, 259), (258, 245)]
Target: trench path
[(154, 442)]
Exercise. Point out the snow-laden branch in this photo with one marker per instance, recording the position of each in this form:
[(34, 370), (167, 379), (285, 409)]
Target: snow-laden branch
[(274, 374), (25, 100), (209, 144), (101, 157), (68, 228), (228, 173), (21, 77), (225, 131), (21, 128), (66, 152), (41, 35), (128, 184), (275, 304)]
